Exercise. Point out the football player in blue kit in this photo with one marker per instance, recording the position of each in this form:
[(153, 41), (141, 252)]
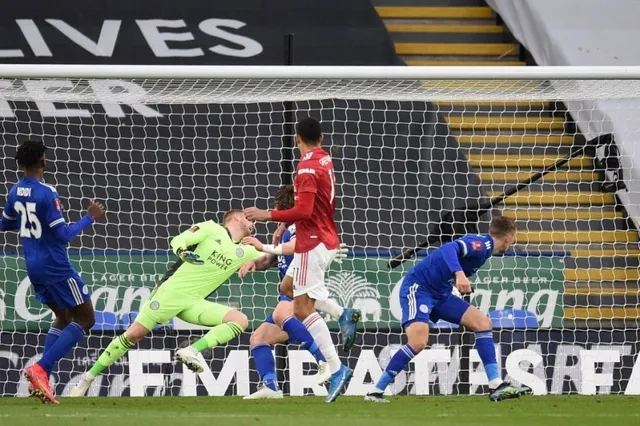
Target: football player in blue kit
[(426, 294), (34, 210), (282, 326)]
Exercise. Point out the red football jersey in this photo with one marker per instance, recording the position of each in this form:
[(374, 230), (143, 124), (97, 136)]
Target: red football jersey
[(315, 174)]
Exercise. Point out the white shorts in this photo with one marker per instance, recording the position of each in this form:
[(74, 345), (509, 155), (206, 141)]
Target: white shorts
[(308, 270)]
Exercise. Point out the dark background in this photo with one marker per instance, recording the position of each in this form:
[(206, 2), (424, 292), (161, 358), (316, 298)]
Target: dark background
[(397, 167)]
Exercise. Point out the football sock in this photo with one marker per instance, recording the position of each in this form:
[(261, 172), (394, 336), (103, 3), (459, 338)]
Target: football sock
[(320, 333), (69, 337), (296, 330), (218, 335), (487, 352), (52, 338), (329, 307), (398, 362), (118, 347), (266, 365)]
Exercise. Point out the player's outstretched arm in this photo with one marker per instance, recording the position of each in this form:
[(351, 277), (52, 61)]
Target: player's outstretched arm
[(286, 249), (192, 237), (302, 210), (260, 264), (67, 232)]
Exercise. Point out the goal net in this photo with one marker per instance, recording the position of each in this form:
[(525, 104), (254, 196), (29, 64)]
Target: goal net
[(163, 153)]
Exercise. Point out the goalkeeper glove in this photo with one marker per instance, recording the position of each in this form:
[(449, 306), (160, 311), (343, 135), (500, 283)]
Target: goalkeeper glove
[(190, 257), (341, 254)]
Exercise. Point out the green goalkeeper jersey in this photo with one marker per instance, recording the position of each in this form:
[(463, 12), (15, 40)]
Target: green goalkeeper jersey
[(221, 255)]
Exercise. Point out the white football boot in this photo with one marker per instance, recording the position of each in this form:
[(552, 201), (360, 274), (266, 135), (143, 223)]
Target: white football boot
[(81, 388), (264, 392), (189, 357), (324, 374)]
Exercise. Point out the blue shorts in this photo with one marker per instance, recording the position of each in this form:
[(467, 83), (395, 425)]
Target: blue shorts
[(421, 305), (281, 298), (63, 294)]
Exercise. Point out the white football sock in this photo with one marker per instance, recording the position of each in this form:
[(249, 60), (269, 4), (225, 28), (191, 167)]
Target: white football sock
[(329, 307), (320, 333), (495, 383)]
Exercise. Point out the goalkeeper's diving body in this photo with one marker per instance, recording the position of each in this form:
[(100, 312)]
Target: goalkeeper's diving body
[(282, 326), (426, 294), (209, 254)]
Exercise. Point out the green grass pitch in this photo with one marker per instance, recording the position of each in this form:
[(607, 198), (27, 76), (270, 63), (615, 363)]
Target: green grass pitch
[(311, 411)]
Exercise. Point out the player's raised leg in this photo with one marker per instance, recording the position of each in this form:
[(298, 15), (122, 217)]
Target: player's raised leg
[(478, 322), (347, 318), (227, 324), (416, 303)]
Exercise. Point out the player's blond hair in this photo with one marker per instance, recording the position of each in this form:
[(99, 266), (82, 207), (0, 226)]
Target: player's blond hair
[(501, 226), (229, 215)]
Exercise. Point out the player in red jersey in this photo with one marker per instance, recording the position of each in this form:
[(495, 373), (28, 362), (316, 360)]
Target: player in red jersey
[(317, 242)]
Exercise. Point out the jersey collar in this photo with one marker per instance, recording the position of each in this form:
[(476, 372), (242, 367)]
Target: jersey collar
[(230, 237)]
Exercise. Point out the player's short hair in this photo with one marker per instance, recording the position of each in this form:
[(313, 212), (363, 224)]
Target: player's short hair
[(30, 153), (501, 226), (309, 130), (229, 215), (284, 198)]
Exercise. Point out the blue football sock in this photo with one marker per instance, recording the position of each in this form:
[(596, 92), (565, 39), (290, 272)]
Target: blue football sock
[(398, 362), (69, 337), (266, 365), (487, 352), (51, 339), (298, 332)]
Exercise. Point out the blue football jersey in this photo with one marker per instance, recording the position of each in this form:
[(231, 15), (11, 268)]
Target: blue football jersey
[(285, 261), (468, 254), (36, 209)]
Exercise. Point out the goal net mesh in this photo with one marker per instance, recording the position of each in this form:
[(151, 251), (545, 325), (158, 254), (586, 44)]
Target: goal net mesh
[(164, 154)]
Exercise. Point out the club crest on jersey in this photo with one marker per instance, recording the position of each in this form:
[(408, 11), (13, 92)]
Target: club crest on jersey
[(476, 245), (155, 305), (194, 228), (239, 252)]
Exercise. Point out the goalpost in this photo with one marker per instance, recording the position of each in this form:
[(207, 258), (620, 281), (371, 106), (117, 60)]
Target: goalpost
[(167, 146)]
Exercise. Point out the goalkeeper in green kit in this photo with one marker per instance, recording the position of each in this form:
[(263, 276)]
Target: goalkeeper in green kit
[(209, 255)]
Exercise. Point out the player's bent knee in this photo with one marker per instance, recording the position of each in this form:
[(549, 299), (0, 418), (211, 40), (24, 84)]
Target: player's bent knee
[(485, 324), (283, 311), (84, 315), (136, 332), (303, 306), (257, 337), (475, 320), (417, 336), (237, 317), (63, 318)]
